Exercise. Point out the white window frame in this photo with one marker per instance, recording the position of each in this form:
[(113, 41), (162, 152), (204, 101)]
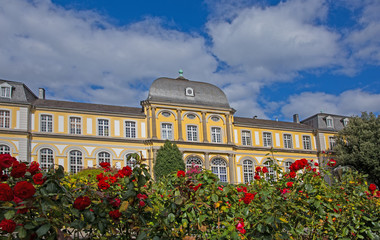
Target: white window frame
[(306, 142), (329, 122), (287, 165), (248, 170), (271, 174), (5, 90), (75, 161), (288, 140), (167, 133), (130, 131), (5, 121), (46, 159), (216, 134), (104, 158), (5, 149), (106, 129), (75, 124), (192, 134), (345, 122), (132, 163), (220, 170), (197, 161), (331, 142), (45, 123), (246, 138), (265, 140)]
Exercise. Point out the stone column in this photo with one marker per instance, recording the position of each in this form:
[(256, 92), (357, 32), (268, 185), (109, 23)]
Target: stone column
[(231, 167), (204, 126), (228, 129), (207, 161), (154, 131), (179, 119), (148, 122)]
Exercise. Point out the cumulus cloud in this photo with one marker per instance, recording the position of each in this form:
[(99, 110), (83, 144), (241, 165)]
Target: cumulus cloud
[(80, 55), (274, 42), (351, 102)]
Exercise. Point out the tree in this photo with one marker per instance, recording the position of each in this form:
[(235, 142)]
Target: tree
[(169, 159), (358, 145)]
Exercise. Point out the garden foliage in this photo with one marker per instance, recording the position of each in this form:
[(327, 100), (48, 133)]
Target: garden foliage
[(169, 159), (127, 204)]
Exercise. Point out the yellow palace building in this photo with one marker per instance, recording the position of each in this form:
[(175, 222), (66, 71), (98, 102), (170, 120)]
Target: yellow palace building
[(195, 115)]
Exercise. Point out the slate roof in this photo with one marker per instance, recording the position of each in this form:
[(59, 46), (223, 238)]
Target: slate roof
[(20, 93), (271, 124), (91, 107), (173, 91)]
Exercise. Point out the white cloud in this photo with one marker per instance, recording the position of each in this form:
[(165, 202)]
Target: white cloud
[(69, 51), (275, 42), (351, 102)]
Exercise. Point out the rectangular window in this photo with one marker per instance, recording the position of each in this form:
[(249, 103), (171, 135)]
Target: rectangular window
[(130, 129), (103, 127), (192, 133), (216, 136), (246, 138), (6, 92), (288, 143), (75, 125), (4, 119), (306, 142), (167, 131), (329, 122), (267, 139), (331, 142), (46, 123)]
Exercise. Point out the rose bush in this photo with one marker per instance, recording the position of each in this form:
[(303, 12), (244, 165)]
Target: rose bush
[(125, 203)]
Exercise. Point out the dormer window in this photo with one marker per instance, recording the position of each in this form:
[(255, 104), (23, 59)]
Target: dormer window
[(189, 92), (345, 122), (329, 122), (5, 90)]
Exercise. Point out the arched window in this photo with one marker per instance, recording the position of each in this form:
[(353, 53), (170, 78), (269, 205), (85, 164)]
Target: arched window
[(131, 162), (193, 161), (46, 158), (76, 161), (4, 149), (271, 175), (219, 168), (248, 170), (104, 157)]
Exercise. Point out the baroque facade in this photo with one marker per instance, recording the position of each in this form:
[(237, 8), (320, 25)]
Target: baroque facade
[(195, 115)]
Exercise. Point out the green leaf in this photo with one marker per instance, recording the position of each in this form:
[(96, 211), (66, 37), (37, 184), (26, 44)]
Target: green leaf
[(171, 217), (43, 230), (22, 232), (10, 214), (214, 198), (141, 236), (29, 226)]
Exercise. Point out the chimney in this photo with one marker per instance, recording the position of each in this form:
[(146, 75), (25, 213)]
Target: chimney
[(296, 118), (41, 93)]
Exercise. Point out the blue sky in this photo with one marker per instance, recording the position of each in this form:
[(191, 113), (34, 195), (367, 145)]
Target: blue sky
[(272, 58)]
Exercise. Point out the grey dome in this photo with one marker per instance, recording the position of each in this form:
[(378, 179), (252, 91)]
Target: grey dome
[(174, 91)]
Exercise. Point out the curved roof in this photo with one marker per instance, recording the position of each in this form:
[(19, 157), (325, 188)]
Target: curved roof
[(173, 90)]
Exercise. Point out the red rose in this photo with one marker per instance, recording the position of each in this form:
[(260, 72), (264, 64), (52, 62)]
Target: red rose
[(38, 179), (18, 170), (142, 196), (196, 187), (125, 171), (292, 174), (316, 164), (113, 179), (142, 203), (265, 169), (6, 193), (34, 167), (331, 163), (81, 203), (284, 191), (115, 202), (378, 194), (248, 197), (242, 189), (24, 190), (101, 177), (8, 225), (115, 214), (257, 177), (181, 173), (105, 165), (103, 185), (3, 177), (258, 169), (372, 187), (6, 161), (240, 227), (289, 184)]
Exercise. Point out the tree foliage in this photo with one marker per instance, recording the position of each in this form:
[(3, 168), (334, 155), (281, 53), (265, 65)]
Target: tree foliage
[(358, 145), (169, 159)]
